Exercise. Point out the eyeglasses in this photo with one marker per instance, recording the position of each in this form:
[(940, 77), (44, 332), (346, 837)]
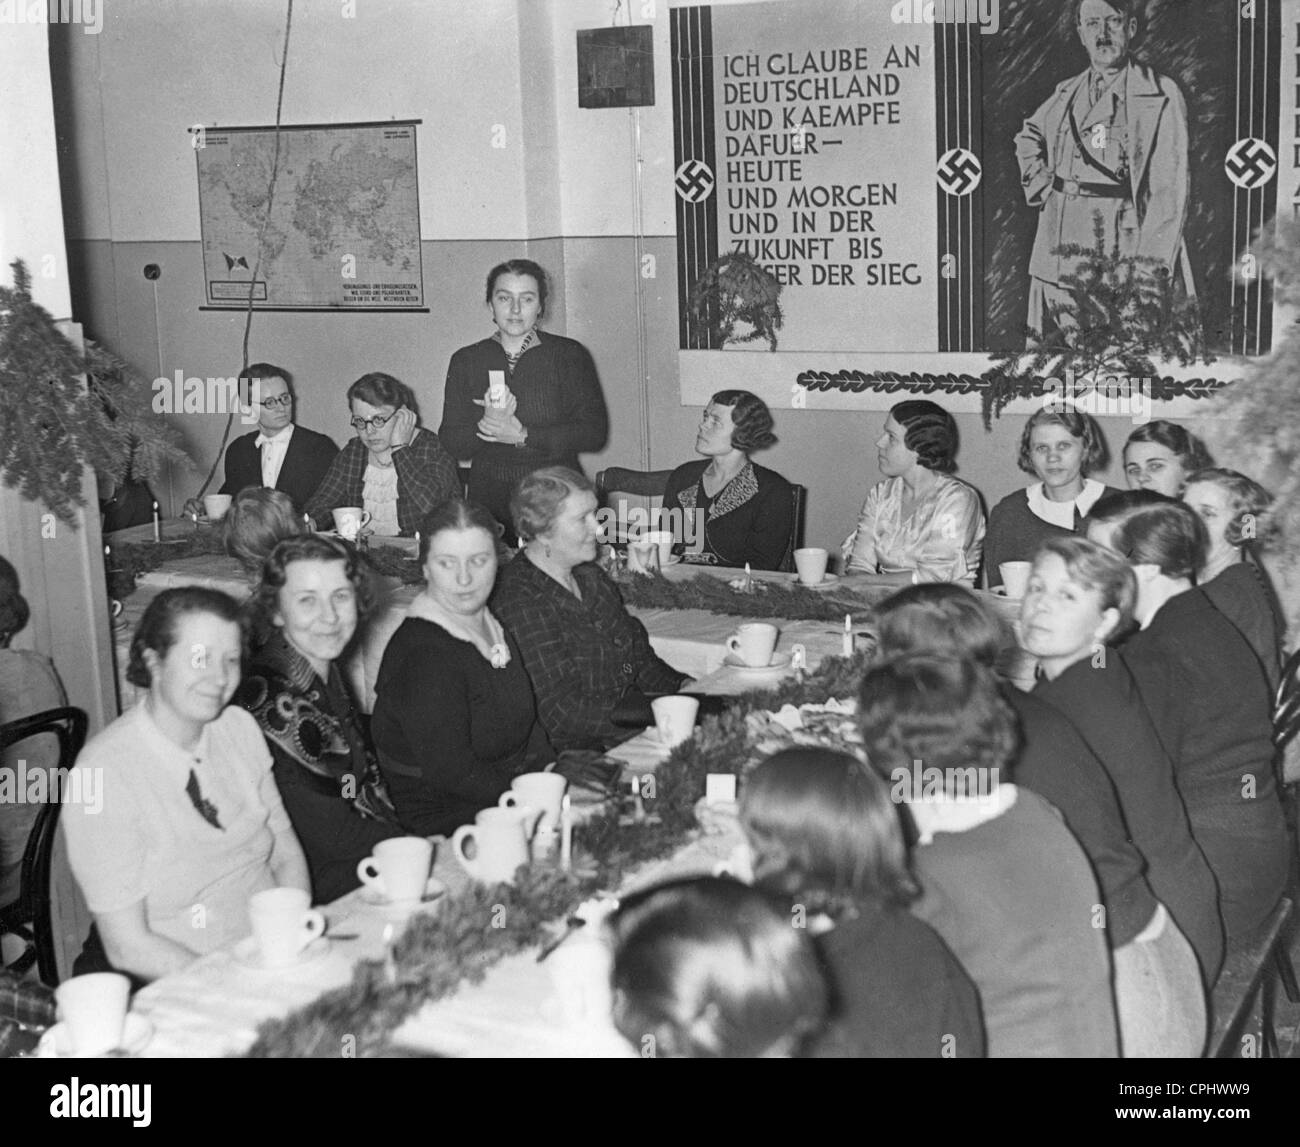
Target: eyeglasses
[(282, 400), (360, 424), (1112, 24)]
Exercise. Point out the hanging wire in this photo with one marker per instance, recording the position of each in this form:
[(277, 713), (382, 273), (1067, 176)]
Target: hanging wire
[(261, 235)]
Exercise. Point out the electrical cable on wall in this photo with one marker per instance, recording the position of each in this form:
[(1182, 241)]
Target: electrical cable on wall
[(257, 265)]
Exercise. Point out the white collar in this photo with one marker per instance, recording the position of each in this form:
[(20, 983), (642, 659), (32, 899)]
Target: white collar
[(279, 436), (932, 815), (1062, 513), (497, 653)]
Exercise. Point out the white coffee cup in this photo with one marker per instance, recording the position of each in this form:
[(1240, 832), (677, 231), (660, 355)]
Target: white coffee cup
[(350, 521), (398, 868), (216, 505), (811, 564), (754, 643), (284, 923), (675, 718), (1015, 577), (663, 539), (500, 848), (642, 556), (94, 1009), (543, 791), (525, 814)]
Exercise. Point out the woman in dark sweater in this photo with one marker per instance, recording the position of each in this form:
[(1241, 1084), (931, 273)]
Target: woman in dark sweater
[(1209, 702), (728, 511), (454, 717), (306, 610), (1055, 761), (590, 661), (823, 835), (548, 409), (1232, 507), (1060, 448)]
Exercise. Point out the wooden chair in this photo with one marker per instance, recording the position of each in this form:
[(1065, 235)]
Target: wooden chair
[(798, 493), (30, 916), (616, 486), (1251, 972)]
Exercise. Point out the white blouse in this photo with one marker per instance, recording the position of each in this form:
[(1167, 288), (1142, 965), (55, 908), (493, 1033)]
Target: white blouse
[(379, 496)]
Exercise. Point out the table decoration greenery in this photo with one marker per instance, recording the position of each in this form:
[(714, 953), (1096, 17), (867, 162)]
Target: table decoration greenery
[(473, 929), (768, 598)]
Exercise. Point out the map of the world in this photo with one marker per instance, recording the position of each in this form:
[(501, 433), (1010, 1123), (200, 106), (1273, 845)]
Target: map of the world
[(344, 227)]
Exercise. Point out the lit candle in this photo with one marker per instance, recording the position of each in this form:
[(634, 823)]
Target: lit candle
[(306, 521), (847, 649), (566, 835), (749, 580), (108, 554), (417, 541), (157, 524)]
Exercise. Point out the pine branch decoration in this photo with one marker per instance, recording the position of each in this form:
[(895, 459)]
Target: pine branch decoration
[(64, 411), (1129, 315), (734, 289)]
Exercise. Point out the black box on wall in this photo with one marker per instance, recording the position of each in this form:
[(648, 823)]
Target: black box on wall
[(616, 67)]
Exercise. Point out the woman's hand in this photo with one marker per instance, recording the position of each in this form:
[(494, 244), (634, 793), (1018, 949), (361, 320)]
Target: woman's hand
[(403, 429), (501, 425)]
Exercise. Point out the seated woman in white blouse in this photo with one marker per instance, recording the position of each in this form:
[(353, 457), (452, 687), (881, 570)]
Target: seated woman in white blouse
[(920, 524), (172, 817)]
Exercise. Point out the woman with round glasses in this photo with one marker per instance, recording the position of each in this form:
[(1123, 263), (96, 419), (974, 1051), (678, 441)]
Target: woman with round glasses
[(393, 469)]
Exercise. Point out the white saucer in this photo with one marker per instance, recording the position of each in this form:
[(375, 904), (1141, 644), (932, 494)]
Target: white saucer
[(249, 955), (432, 890), (56, 1043), (779, 661), (673, 559), (1001, 591), (828, 580)]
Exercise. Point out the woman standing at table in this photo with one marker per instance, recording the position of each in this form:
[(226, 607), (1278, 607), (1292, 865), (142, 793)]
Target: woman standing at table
[(393, 469), (172, 816), (747, 511), (1208, 699), (1160, 455), (920, 523), (550, 410), (590, 662), (454, 717), (822, 833), (1232, 507), (1060, 448), (305, 611)]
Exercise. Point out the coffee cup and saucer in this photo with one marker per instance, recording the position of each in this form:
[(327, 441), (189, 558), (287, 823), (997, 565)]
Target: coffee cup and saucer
[(752, 648), (94, 1019), (396, 874), (287, 931)]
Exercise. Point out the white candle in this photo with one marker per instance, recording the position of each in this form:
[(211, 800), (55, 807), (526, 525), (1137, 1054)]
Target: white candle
[(417, 541), (157, 524), (847, 649), (108, 554), (566, 835), (306, 521)]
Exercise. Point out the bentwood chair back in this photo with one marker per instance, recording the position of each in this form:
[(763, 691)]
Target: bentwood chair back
[(621, 490), (30, 917), (797, 493)]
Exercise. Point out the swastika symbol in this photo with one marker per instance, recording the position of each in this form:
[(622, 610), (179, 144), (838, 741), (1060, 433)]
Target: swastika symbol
[(959, 171), (1250, 163), (694, 181)]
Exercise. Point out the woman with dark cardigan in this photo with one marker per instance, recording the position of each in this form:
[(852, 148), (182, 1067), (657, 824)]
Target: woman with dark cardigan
[(1209, 702), (1232, 507), (1055, 761), (1060, 448), (590, 661), (747, 511), (823, 834), (550, 409), (306, 609), (454, 717)]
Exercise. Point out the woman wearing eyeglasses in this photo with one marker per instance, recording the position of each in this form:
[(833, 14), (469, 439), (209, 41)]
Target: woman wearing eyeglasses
[(395, 470)]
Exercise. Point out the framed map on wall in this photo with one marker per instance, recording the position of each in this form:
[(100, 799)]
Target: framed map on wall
[(343, 232)]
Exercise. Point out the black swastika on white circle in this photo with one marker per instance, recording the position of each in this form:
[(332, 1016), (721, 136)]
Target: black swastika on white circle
[(694, 181), (1250, 163), (959, 171)]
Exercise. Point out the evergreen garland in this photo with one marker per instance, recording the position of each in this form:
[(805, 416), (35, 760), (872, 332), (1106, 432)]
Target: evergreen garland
[(768, 599), (459, 941)]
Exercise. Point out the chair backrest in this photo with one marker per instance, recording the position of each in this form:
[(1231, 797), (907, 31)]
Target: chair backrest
[(1286, 719), (34, 904), (636, 497), (797, 493)]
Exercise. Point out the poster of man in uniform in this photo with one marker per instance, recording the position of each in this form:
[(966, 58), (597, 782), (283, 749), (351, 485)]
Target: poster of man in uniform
[(910, 171)]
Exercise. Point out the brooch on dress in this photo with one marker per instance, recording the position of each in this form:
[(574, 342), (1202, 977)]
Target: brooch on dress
[(205, 808), (499, 657)]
